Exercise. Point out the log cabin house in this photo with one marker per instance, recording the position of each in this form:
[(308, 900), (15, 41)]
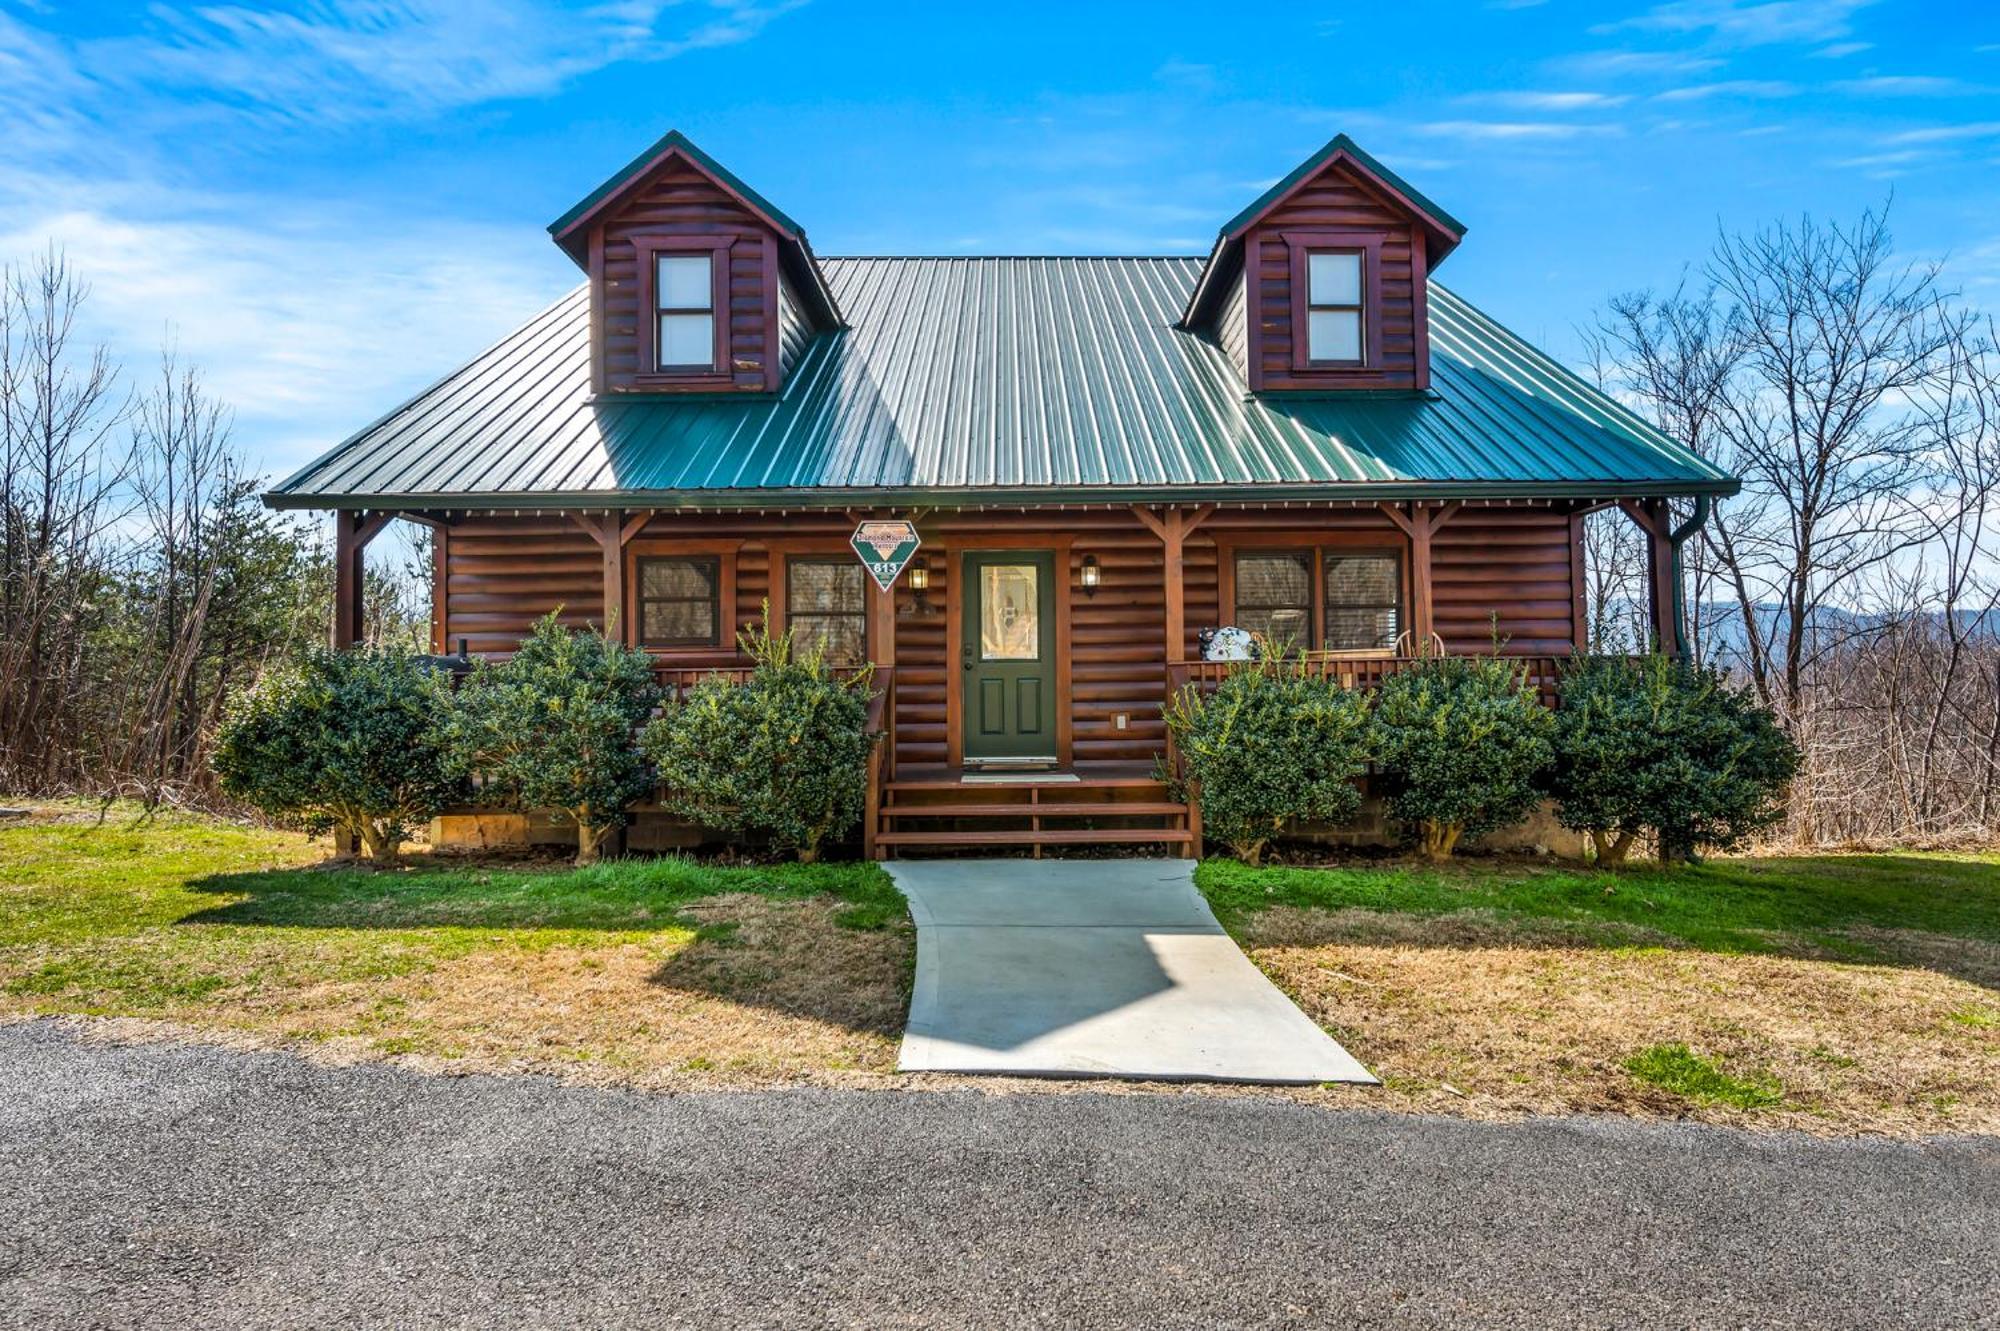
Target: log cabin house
[(1301, 434)]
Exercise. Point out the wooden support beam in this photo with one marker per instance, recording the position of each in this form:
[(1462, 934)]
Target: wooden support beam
[(1174, 571), (1420, 522), (352, 531), (441, 591), (612, 541), (1656, 521), (1423, 601)]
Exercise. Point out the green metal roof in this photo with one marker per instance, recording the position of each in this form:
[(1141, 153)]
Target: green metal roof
[(999, 380)]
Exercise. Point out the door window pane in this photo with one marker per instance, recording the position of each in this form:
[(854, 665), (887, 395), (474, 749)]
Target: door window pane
[(1334, 335), (1363, 602), (1010, 612), (826, 606), (1274, 595)]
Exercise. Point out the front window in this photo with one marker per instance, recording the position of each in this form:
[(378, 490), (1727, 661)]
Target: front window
[(1325, 599), (826, 606), (680, 601), (1274, 596), (1363, 602), (1334, 332), (684, 300)]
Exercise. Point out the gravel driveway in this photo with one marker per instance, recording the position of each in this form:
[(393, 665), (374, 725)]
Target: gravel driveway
[(167, 1186)]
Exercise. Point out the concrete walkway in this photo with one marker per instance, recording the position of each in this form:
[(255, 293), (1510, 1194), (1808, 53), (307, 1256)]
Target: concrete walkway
[(1094, 968)]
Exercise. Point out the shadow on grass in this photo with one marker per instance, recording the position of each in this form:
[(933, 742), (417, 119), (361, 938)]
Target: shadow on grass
[(1938, 912)]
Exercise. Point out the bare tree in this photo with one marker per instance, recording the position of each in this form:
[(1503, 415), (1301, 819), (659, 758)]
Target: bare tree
[(59, 485)]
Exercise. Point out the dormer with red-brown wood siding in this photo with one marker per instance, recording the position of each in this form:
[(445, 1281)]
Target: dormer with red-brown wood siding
[(1320, 285), (697, 283)]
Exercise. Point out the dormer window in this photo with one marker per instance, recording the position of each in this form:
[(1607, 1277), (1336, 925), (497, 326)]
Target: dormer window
[(684, 280), (1335, 315), (1336, 301), (684, 287)]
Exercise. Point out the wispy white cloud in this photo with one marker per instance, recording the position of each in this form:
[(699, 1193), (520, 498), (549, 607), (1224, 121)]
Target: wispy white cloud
[(1736, 24), (1530, 100), (1512, 130), (342, 61), (307, 326), (1841, 50), (308, 317), (1619, 64), (1759, 89), (1977, 129), (1908, 85)]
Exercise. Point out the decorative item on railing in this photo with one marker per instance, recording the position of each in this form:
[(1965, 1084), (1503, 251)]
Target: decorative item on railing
[(1228, 644)]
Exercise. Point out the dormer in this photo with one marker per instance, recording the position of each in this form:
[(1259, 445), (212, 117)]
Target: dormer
[(697, 283), (1320, 285)]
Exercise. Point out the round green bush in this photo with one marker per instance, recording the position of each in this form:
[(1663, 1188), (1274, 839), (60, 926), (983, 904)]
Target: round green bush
[(552, 728), (352, 740), (1273, 745), (1461, 742), (782, 757), (1661, 747)]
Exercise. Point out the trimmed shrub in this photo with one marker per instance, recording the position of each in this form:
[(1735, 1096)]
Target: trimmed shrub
[(1662, 747), (352, 740), (1272, 745), (552, 728), (781, 758), (1461, 742)]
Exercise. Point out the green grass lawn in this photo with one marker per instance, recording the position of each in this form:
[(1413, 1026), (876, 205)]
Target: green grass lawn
[(1725, 905), (205, 922)]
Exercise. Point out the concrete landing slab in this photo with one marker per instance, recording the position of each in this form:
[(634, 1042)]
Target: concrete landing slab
[(1094, 968)]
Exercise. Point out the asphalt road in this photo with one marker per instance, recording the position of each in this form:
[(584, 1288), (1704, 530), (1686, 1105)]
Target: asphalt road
[(165, 1186)]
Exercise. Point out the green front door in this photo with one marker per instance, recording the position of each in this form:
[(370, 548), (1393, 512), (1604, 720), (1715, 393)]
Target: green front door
[(1007, 660)]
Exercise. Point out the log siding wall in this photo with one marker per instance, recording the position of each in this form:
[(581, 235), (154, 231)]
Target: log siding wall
[(1514, 566)]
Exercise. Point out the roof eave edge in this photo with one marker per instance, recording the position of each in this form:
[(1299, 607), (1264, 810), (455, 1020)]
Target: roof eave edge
[(1018, 497)]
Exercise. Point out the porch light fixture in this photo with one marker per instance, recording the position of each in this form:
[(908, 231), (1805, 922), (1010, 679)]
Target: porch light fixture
[(1091, 575), (920, 583)]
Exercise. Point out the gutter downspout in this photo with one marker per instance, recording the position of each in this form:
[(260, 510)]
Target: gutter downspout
[(1703, 504)]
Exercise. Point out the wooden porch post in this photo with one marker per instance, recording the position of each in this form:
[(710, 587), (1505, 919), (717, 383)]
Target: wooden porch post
[(613, 532), (352, 531), (613, 550), (1653, 518), (1173, 527), (1420, 523)]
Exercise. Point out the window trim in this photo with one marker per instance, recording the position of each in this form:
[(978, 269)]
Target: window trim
[(726, 621), (1303, 245), (1229, 546), (647, 250), (781, 599)]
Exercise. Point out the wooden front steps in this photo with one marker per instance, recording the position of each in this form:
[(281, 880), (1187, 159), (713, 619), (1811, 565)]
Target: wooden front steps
[(942, 811)]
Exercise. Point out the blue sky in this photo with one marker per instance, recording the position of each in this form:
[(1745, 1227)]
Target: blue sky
[(328, 204)]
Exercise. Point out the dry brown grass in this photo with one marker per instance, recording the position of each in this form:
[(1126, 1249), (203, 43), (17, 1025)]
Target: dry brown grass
[(769, 992), (1463, 1016)]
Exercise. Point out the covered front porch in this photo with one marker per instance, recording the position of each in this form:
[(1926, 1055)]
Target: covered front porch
[(1020, 661)]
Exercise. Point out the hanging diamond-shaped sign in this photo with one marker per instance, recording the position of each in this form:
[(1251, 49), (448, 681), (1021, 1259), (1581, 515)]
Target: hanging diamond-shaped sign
[(886, 548)]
